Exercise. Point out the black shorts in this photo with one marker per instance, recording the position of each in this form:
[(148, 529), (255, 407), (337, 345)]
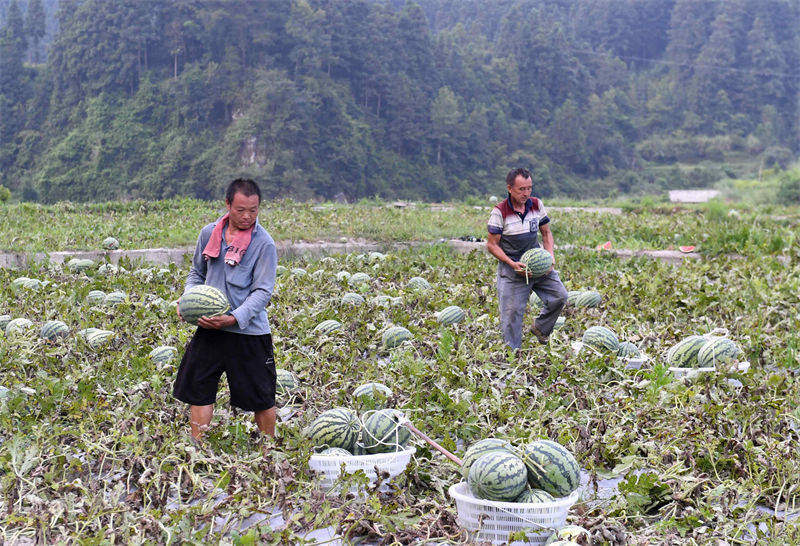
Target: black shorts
[(247, 361)]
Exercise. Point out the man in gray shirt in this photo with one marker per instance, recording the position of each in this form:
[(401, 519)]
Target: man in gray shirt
[(236, 255)]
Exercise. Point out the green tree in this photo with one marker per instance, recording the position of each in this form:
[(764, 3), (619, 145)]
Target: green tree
[(35, 28), (446, 115)]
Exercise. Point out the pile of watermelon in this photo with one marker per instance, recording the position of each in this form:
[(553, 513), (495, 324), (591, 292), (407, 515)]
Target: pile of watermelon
[(535, 472), (703, 351), (345, 432)]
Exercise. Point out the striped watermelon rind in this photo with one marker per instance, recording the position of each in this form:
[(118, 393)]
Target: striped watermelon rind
[(18, 325), (482, 447), (497, 476), (163, 354), (551, 467), (537, 261), (4, 320), (357, 279), (601, 338), (337, 427), (286, 381), (535, 300), (202, 300), (394, 336), (684, 353), (343, 276), (718, 350), (280, 270), (418, 284), (95, 297), (372, 396), (335, 452), (327, 326), (52, 329), (573, 295), (450, 315), (110, 243), (115, 297), (383, 432), (298, 272), (628, 350), (351, 298), (533, 496), (589, 298), (96, 337)]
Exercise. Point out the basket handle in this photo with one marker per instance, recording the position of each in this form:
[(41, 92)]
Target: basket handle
[(433, 444)]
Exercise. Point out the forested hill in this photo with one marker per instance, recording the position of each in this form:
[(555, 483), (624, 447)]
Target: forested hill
[(432, 100)]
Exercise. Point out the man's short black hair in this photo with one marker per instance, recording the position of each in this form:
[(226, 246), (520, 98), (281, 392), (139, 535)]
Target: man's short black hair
[(514, 173), (245, 186)]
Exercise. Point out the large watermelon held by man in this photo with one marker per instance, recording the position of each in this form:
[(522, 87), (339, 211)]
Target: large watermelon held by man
[(202, 301)]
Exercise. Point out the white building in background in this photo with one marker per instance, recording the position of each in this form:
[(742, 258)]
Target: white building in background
[(692, 196)]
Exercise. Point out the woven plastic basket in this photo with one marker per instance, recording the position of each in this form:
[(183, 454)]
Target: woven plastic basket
[(330, 466), (493, 521)]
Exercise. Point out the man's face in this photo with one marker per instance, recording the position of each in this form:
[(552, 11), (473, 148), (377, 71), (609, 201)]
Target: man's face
[(521, 189), (243, 210)]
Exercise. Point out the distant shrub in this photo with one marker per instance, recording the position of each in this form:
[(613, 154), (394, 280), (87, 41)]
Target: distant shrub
[(789, 187), (777, 156), (716, 209), (5, 194)]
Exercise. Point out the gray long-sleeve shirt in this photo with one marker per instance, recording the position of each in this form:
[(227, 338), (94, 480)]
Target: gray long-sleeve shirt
[(248, 285)]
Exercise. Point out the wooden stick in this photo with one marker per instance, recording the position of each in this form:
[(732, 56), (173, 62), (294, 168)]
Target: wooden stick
[(436, 446)]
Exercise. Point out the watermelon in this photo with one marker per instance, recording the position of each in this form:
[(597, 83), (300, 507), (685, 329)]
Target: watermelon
[(338, 427), (532, 496), (394, 336), (684, 353), (78, 264), (95, 296), (564, 543), (335, 452), (589, 298), (482, 447), (32, 284), (418, 284), (115, 297), (573, 295), (372, 395), (96, 337), (163, 354), (280, 270), (327, 326), (537, 262), (357, 279), (686, 249), (108, 269), (110, 243), (4, 320), (52, 329), (559, 323), (18, 325), (601, 338), (383, 432), (318, 274), (628, 350), (202, 300), (718, 350), (535, 300), (450, 315), (18, 283), (143, 272), (286, 381), (328, 261), (376, 257), (298, 272), (351, 298), (568, 534), (497, 476), (359, 449), (551, 467), (343, 276), (604, 246)]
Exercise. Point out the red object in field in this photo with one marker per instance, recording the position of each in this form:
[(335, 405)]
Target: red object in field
[(604, 246), (686, 249)]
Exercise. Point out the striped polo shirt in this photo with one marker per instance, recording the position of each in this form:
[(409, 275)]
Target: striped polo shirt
[(519, 231)]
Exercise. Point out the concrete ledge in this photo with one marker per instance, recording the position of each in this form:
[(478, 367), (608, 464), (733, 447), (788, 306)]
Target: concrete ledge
[(163, 256)]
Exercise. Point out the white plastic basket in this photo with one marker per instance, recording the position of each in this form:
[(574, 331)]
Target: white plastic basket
[(690, 373), (330, 466), (493, 521)]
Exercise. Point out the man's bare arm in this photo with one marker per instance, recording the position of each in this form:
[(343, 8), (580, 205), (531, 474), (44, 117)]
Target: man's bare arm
[(493, 246)]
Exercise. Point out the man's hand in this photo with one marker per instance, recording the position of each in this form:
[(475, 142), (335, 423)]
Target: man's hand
[(519, 267), (216, 323), (178, 310)]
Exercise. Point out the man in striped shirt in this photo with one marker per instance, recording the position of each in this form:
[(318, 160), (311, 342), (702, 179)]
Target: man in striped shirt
[(514, 227)]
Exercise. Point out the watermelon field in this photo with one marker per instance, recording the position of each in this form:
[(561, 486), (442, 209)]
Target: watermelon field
[(93, 448)]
